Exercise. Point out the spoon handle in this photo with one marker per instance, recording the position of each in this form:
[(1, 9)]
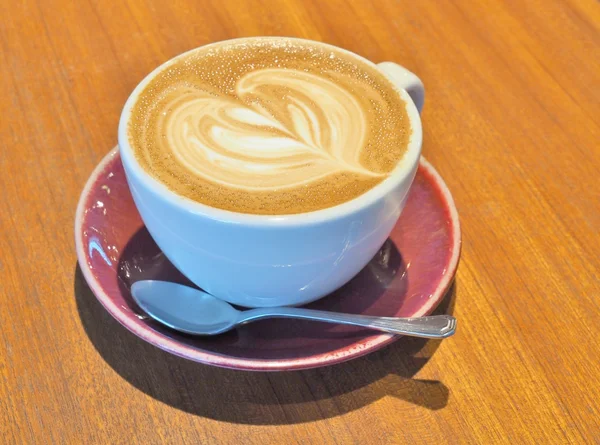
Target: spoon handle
[(435, 326)]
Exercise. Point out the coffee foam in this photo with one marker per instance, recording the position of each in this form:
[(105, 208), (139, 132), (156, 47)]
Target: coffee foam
[(269, 126)]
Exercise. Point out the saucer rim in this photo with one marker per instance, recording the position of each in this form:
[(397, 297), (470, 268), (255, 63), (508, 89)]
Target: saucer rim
[(355, 350)]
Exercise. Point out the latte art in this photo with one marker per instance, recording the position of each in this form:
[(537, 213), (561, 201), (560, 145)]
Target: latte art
[(261, 143), (269, 125)]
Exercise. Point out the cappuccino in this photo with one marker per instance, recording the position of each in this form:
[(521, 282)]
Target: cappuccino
[(269, 126)]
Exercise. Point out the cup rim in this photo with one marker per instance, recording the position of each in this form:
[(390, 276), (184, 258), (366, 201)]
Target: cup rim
[(403, 169)]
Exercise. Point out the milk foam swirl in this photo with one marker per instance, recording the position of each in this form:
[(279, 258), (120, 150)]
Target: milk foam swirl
[(282, 128)]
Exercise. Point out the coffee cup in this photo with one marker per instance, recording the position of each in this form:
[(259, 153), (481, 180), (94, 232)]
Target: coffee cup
[(261, 260)]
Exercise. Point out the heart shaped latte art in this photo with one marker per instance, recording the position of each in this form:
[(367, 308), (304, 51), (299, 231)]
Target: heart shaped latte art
[(285, 128)]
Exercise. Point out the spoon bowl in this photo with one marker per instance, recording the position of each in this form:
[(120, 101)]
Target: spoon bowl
[(184, 308)]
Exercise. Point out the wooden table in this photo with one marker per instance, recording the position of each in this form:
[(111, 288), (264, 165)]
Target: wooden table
[(512, 122)]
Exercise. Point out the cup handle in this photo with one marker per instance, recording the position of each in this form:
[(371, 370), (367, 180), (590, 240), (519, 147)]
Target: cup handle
[(406, 80)]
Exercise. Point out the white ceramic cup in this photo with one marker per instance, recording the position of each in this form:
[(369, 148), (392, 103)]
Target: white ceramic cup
[(260, 260)]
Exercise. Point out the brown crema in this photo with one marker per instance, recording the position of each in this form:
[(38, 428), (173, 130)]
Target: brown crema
[(269, 126)]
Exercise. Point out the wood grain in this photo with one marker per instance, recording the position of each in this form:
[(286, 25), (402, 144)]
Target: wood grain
[(512, 122)]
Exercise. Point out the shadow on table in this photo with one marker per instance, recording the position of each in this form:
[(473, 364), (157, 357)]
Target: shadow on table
[(262, 398)]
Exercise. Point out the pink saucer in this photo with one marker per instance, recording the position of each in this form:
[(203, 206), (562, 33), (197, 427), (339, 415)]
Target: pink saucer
[(408, 277)]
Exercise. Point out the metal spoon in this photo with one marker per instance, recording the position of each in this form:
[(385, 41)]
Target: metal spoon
[(195, 312)]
